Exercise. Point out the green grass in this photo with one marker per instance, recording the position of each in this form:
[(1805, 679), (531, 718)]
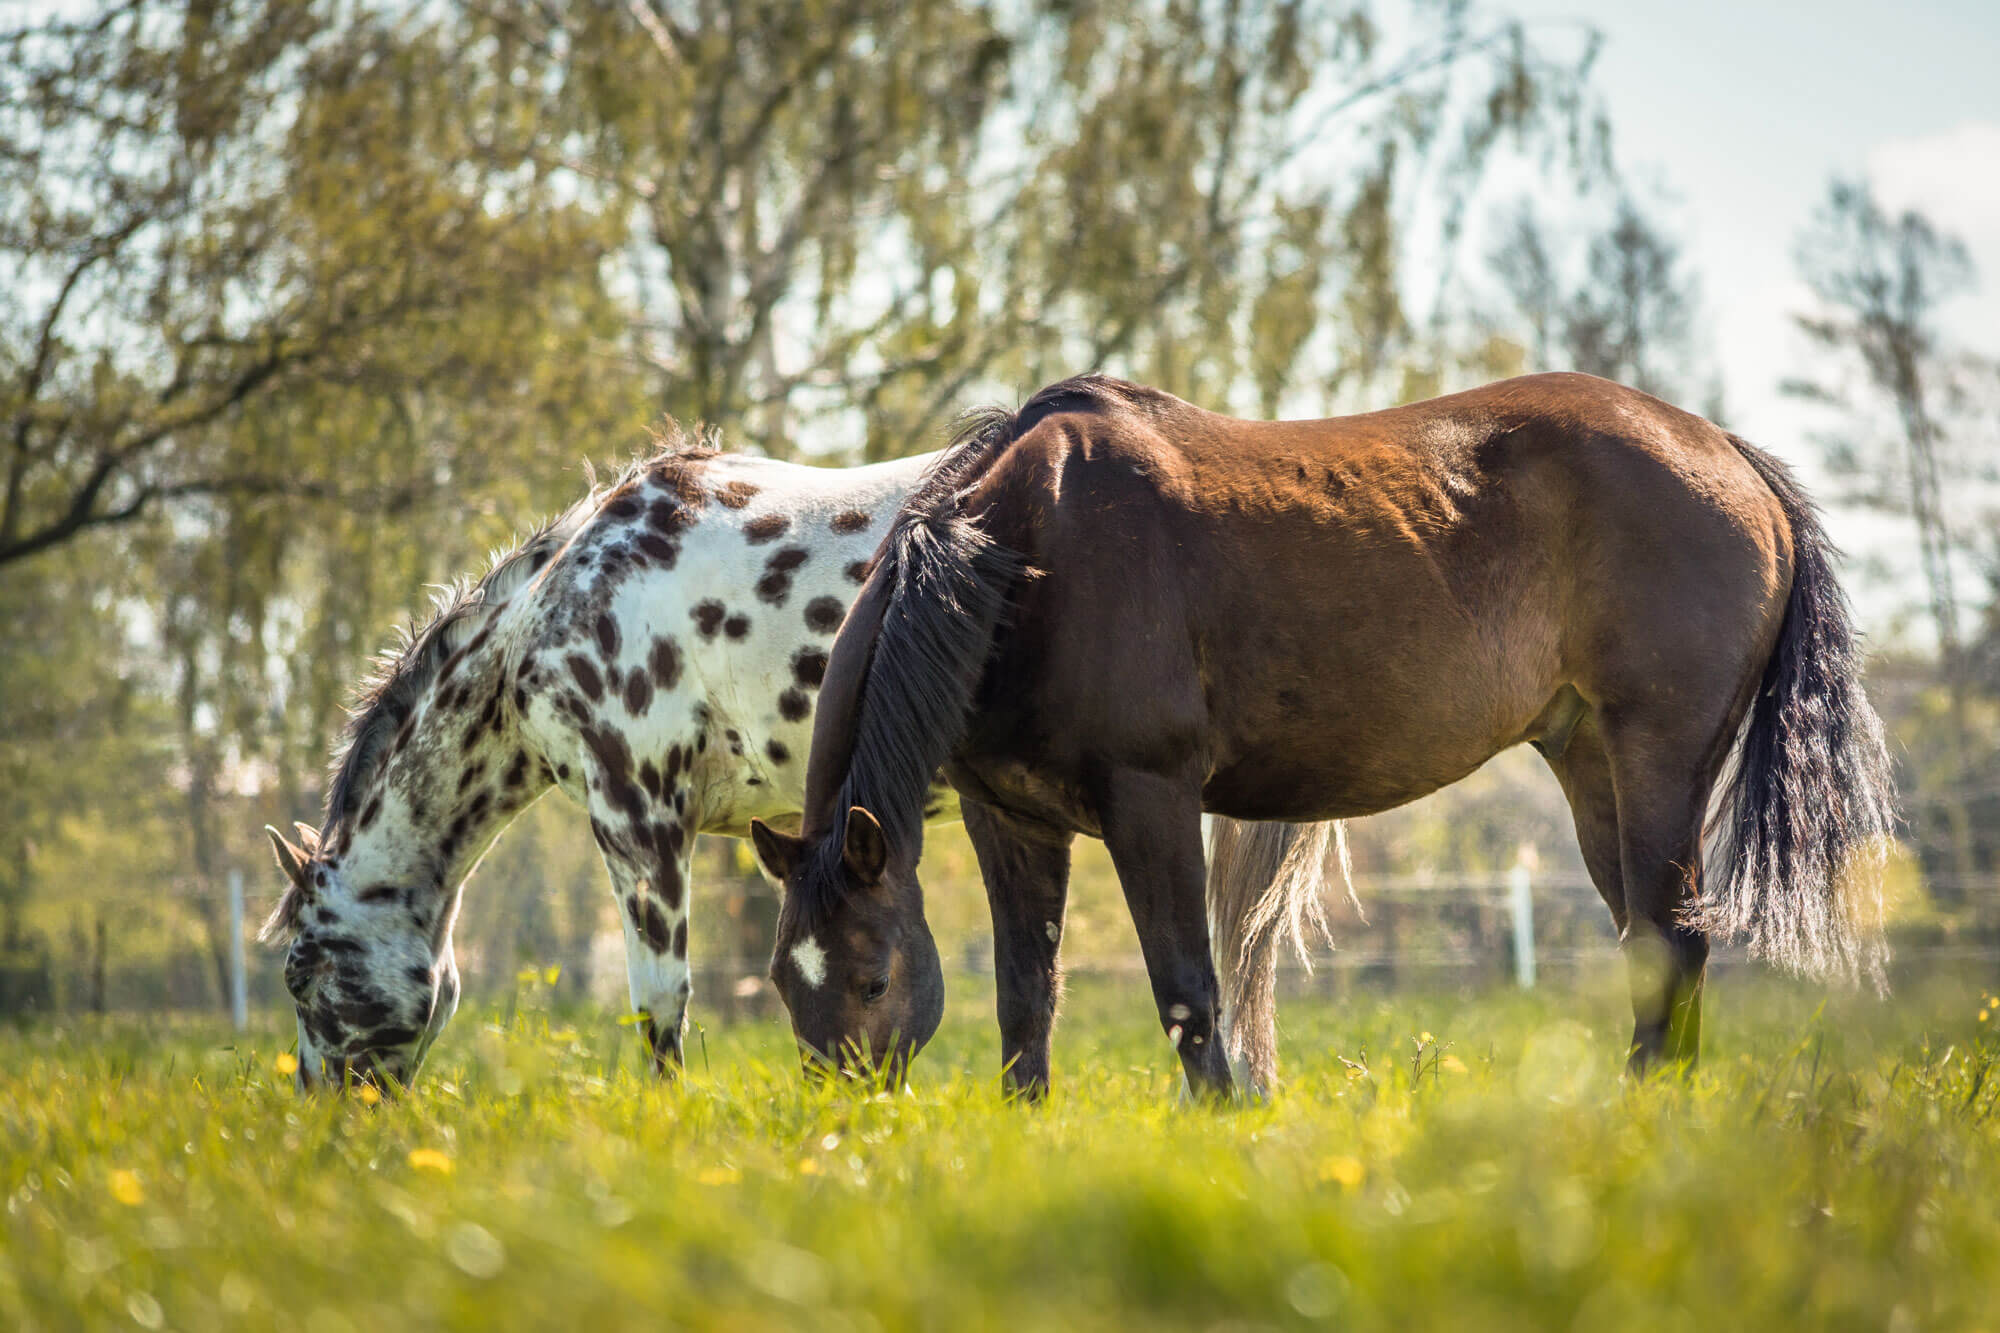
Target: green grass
[(1441, 1161)]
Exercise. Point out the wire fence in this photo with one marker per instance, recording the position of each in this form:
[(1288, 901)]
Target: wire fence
[(1451, 930)]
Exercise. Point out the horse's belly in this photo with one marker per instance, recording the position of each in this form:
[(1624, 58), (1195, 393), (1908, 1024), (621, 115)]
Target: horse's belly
[(1352, 728), (1303, 788)]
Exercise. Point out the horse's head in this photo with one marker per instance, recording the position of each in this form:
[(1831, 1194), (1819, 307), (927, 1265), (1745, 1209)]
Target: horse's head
[(369, 964), (854, 961)]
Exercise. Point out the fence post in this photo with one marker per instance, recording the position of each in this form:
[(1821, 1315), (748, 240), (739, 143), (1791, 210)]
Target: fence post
[(239, 996), (1523, 900)]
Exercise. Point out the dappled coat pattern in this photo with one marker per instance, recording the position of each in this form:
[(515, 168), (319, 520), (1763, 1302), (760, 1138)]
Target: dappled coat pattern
[(655, 652)]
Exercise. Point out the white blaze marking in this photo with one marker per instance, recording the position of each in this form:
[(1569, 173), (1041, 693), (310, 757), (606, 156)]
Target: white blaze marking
[(810, 960)]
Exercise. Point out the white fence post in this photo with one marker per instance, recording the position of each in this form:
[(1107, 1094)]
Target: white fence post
[(239, 995), (1523, 900)]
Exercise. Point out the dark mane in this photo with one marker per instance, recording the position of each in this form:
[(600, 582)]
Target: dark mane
[(940, 587)]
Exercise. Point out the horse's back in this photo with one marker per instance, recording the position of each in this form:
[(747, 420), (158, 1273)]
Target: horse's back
[(1422, 579)]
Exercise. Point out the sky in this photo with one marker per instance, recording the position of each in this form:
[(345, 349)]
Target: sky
[(1738, 114)]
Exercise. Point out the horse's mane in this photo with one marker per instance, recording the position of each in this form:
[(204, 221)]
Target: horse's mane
[(926, 616), (400, 674)]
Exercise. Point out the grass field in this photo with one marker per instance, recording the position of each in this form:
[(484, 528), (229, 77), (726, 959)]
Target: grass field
[(1443, 1161)]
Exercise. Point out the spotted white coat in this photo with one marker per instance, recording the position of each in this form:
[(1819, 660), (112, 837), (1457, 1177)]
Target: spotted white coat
[(656, 654)]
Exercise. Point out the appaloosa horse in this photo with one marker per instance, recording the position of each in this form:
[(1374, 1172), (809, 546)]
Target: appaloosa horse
[(1112, 610), (655, 653)]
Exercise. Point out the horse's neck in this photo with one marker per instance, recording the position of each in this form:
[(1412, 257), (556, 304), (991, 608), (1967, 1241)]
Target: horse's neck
[(456, 774)]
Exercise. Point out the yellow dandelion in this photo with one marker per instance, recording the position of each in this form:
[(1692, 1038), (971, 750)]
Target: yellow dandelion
[(286, 1063), (125, 1188), (1347, 1172), (1426, 1038), (810, 1167), (1983, 1013), (719, 1175), (430, 1159), (553, 973), (368, 1094), (1452, 1064)]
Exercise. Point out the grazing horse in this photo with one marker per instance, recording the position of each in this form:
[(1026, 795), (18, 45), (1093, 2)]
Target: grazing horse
[(655, 652), (1111, 610)]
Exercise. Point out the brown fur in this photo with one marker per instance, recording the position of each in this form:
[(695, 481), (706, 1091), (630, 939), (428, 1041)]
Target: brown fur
[(1312, 620)]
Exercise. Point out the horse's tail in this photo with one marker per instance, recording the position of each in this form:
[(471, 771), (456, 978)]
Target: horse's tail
[(1266, 885), (1803, 821)]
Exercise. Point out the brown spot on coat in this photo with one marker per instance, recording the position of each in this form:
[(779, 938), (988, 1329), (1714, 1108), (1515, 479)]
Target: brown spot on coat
[(779, 754), (648, 920), (734, 494), (777, 579), (765, 527), (851, 520), (793, 705), (809, 667), (667, 518), (736, 626), (859, 571), (665, 663), (638, 693), (662, 552), (708, 617), (823, 614), (586, 675), (682, 479), (607, 636)]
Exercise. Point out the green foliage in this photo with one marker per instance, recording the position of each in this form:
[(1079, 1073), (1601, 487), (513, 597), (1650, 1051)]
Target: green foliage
[(1912, 436), (313, 303), (1442, 1161)]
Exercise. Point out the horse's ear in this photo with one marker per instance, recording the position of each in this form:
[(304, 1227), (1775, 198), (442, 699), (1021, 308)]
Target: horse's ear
[(308, 837), (292, 860), (866, 848), (779, 853)]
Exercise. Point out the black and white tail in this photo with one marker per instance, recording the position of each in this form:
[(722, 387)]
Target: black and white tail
[(1803, 821), (1266, 885)]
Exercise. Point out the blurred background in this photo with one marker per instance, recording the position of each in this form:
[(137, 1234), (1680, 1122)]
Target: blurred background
[(307, 306)]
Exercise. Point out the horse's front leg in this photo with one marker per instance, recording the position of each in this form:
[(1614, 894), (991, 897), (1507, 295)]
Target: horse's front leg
[(1026, 870), (650, 857), (1152, 827)]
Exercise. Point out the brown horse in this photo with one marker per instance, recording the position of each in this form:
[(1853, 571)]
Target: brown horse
[(1112, 610)]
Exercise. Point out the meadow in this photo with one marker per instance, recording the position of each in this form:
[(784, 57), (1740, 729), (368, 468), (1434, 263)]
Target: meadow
[(1457, 1159)]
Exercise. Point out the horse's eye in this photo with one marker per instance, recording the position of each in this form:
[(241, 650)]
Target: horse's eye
[(876, 990)]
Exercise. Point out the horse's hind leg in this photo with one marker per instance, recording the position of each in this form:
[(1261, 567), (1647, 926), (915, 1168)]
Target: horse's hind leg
[(1027, 885), (1663, 777), (1152, 828), (1584, 771)]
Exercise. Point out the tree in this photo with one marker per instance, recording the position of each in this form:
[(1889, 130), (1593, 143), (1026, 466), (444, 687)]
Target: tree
[(850, 217), (313, 301), (1879, 280), (1628, 312), (206, 207)]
